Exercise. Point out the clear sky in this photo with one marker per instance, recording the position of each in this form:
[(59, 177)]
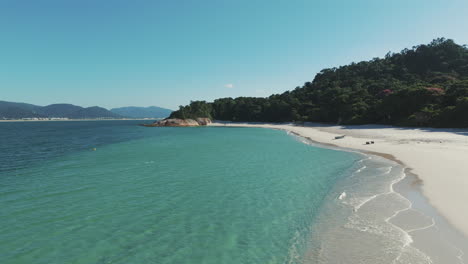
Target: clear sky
[(165, 53)]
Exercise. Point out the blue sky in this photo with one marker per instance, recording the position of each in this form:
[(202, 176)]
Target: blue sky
[(148, 52)]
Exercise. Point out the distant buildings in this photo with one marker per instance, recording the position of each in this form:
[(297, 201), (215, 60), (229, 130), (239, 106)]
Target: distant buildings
[(38, 118)]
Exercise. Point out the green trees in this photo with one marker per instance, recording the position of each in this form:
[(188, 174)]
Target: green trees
[(423, 86), (194, 110)]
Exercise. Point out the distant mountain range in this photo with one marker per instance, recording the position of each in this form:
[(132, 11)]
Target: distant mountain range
[(142, 112), (12, 110)]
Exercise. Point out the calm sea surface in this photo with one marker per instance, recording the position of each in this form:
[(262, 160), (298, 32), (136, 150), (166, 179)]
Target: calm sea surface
[(159, 195)]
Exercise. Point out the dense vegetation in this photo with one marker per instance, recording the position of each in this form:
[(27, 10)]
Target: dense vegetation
[(423, 86)]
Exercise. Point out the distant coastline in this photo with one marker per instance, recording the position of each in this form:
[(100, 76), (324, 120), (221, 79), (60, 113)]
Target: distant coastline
[(67, 120), (62, 112)]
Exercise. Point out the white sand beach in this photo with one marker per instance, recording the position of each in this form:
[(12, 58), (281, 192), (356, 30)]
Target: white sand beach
[(439, 157)]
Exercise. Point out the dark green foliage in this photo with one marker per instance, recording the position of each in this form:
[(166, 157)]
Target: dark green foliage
[(194, 110), (423, 86)]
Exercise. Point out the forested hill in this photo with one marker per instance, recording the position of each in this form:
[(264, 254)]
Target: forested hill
[(12, 110), (426, 85)]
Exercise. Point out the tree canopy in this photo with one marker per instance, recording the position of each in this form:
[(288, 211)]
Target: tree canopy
[(426, 85)]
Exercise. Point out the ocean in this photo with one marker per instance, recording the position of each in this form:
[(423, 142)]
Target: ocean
[(115, 192)]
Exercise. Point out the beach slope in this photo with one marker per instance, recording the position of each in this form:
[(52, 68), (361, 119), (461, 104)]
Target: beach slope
[(439, 157)]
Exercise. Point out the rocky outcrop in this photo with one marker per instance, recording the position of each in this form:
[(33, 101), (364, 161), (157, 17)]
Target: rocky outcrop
[(203, 121), (176, 122)]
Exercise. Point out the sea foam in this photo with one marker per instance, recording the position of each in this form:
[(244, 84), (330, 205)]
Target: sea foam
[(366, 220)]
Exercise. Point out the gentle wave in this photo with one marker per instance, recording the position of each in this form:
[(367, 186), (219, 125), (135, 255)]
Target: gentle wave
[(366, 201)]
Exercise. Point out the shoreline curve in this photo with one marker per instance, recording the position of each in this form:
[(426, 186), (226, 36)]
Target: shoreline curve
[(413, 148)]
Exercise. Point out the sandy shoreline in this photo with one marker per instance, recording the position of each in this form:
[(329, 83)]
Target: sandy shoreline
[(439, 157)]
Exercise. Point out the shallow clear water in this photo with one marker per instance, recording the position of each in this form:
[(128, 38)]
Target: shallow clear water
[(160, 195), (114, 192)]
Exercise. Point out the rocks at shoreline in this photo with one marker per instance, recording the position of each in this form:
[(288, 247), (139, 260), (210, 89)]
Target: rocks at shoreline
[(203, 121), (176, 122)]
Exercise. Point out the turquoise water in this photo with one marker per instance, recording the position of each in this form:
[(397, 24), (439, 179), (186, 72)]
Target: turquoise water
[(159, 195)]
